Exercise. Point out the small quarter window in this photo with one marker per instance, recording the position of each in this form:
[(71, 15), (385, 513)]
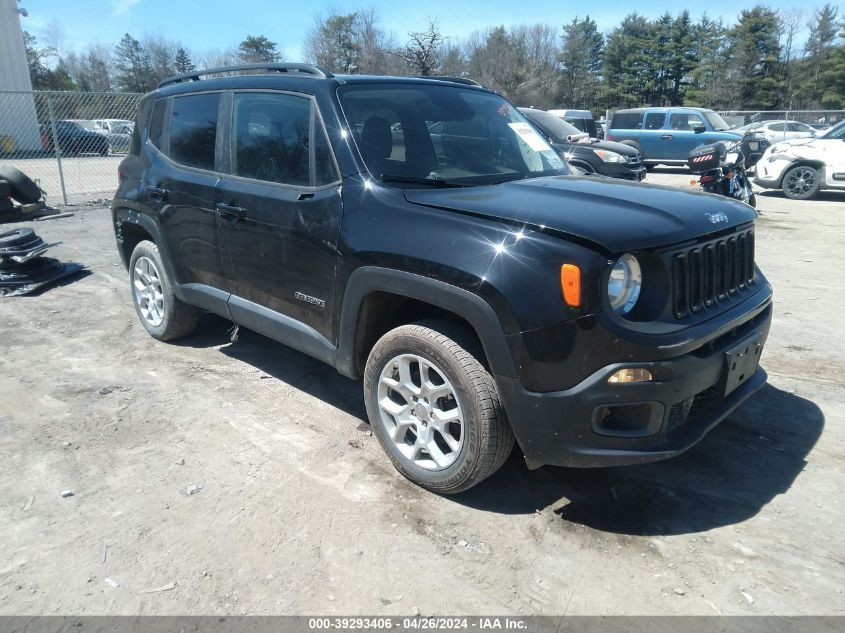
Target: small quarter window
[(193, 129), (157, 124)]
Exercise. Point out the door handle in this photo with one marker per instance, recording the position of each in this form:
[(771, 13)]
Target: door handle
[(230, 211), (157, 193), (666, 137)]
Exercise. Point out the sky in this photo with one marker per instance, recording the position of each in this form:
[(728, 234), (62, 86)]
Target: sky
[(216, 24)]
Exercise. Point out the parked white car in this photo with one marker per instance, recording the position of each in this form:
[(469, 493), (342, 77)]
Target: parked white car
[(778, 131), (802, 167), (113, 126)]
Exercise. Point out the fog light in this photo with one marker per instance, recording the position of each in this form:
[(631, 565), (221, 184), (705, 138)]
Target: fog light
[(631, 375)]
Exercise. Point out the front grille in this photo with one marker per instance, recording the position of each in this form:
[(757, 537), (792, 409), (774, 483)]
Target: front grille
[(636, 159), (713, 272)]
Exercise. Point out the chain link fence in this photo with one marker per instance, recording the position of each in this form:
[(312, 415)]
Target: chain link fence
[(818, 119), (70, 143)]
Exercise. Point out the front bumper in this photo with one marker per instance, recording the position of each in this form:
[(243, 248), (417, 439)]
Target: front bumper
[(770, 174), (655, 420), (623, 170)]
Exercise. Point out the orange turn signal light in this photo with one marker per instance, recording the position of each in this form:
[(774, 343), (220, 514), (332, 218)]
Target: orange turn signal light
[(570, 283)]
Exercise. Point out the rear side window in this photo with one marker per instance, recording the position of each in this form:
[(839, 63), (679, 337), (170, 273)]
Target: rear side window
[(654, 120), (626, 121), (193, 130)]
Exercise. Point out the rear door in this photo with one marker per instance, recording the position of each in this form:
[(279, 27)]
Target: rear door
[(653, 137), (179, 184), (279, 210)]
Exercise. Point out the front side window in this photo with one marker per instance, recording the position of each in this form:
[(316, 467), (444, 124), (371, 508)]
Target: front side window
[(684, 121), (193, 129), (449, 135)]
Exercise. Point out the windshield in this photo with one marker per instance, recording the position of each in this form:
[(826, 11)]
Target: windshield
[(716, 121), (837, 131), (555, 127), (434, 135)]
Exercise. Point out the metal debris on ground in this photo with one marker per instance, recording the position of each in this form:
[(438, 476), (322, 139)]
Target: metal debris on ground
[(23, 268), (67, 493), (167, 587)]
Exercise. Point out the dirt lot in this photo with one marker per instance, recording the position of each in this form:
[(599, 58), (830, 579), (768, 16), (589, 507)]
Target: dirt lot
[(212, 477)]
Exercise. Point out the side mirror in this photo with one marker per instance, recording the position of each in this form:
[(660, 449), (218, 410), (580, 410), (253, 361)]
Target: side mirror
[(698, 129)]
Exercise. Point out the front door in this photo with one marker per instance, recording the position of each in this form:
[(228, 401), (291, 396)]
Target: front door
[(680, 137), (279, 210)]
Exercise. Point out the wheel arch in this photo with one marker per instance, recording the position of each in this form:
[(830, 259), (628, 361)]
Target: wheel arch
[(378, 299), (804, 162)]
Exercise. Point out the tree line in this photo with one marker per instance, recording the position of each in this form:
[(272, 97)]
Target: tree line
[(756, 63)]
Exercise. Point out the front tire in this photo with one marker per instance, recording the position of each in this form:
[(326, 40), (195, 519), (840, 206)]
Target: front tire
[(161, 312), (435, 408), (801, 182)]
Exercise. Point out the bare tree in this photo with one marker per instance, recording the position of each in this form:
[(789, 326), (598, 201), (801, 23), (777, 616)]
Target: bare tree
[(421, 51), (791, 20)]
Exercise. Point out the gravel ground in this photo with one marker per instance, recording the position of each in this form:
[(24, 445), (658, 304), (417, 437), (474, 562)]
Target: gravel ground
[(212, 477)]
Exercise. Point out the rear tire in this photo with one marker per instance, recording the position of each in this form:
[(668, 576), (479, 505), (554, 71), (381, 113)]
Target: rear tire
[(161, 312), (435, 408)]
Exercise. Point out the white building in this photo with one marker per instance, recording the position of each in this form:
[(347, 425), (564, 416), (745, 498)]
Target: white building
[(18, 119)]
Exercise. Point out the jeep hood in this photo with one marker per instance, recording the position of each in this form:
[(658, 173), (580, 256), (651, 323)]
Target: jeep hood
[(614, 214)]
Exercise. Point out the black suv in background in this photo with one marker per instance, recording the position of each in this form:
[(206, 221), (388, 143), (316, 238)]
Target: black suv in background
[(73, 139), (591, 156), (481, 292)]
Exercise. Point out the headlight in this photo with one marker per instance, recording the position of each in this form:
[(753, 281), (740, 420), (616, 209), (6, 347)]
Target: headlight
[(623, 287), (609, 157)]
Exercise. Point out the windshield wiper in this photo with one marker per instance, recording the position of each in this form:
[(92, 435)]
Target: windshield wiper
[(415, 180)]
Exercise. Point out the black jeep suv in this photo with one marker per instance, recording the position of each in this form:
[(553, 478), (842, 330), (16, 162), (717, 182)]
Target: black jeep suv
[(421, 234)]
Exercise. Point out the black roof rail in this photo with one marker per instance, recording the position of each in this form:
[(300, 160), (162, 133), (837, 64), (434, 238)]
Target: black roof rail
[(305, 69), (455, 80)]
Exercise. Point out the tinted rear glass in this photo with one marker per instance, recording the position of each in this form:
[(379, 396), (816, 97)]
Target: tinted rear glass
[(157, 126), (626, 121), (193, 130)]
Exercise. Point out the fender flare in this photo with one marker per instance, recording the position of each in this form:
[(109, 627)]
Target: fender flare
[(463, 303), (125, 215)]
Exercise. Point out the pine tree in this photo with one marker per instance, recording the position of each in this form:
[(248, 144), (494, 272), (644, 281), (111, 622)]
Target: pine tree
[(258, 49), (134, 66), (754, 57), (182, 62), (580, 62)]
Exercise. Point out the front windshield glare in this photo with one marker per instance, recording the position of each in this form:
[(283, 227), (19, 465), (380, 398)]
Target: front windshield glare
[(717, 122), (429, 134)]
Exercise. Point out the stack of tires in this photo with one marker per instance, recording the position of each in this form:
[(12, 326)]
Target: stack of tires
[(23, 268), (17, 187)]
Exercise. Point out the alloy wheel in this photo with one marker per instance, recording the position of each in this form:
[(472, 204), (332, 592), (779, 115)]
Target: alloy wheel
[(149, 298), (800, 181), (420, 410)]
